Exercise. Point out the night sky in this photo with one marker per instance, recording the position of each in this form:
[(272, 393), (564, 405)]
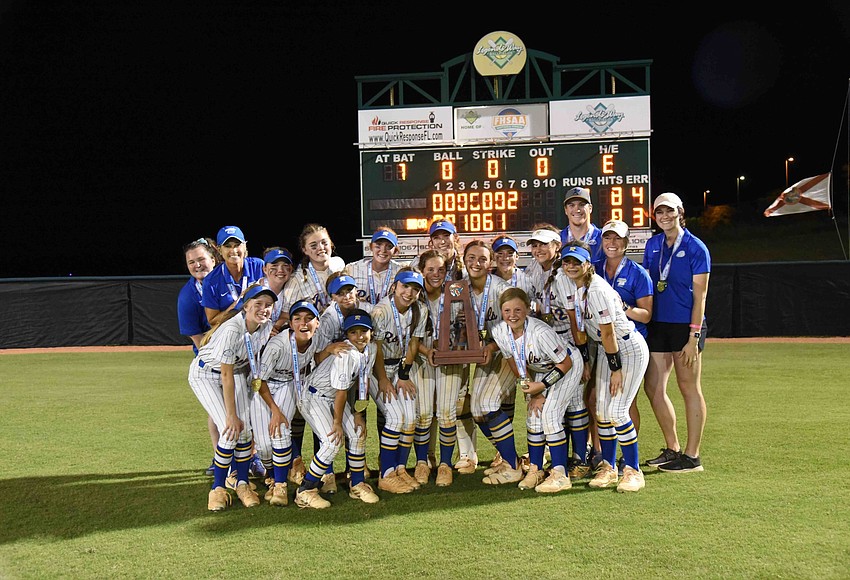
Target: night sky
[(130, 128)]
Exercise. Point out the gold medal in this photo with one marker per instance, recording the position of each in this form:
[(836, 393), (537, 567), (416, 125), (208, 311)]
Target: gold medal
[(360, 405), (256, 384), (661, 285), (548, 318), (483, 334)]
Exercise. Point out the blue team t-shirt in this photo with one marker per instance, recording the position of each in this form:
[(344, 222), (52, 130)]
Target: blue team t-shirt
[(631, 282), (191, 317), (221, 290), (593, 238), (674, 304)]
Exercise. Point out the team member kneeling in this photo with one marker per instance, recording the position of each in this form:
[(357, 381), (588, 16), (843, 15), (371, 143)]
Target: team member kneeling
[(323, 401)]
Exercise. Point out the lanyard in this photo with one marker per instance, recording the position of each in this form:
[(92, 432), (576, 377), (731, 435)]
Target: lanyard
[(482, 312), (519, 357), (321, 295), (339, 316), (581, 302), (232, 285), (662, 274), (363, 386), (402, 335), (375, 298), (439, 314), (616, 273), (253, 361), (296, 372), (585, 238), (200, 288), (547, 298)]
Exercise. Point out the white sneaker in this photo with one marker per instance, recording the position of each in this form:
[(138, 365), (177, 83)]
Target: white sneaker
[(363, 491), (310, 498), (632, 480), (557, 481)]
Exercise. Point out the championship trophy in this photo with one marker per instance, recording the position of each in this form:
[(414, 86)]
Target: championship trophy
[(446, 352)]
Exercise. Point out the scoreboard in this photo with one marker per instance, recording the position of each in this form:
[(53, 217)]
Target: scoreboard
[(485, 190)]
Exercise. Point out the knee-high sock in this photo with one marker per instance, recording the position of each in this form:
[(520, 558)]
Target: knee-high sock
[(388, 454), (421, 441), (502, 435), (448, 436), (577, 423), (557, 443), (536, 444), (357, 467), (222, 461), (405, 442), (627, 436), (242, 455), (608, 440), (281, 460)]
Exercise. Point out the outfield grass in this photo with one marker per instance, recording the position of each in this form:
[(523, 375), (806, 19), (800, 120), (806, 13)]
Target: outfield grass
[(102, 479)]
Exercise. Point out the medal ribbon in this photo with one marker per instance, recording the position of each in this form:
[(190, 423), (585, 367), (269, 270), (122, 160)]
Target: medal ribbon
[(662, 274), (234, 293), (580, 307), (321, 295), (373, 298), (519, 356), (616, 273), (482, 312), (363, 386), (253, 361), (296, 372), (402, 336), (436, 325)]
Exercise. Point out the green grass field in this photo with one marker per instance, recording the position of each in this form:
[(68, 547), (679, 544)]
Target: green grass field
[(101, 478)]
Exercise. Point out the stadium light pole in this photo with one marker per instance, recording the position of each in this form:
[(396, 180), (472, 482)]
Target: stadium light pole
[(787, 161), (738, 181), (705, 197)]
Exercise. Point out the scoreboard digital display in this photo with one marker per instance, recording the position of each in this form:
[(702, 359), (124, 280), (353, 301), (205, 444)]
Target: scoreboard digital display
[(502, 188)]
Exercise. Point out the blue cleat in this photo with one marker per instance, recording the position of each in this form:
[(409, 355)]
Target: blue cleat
[(257, 469)]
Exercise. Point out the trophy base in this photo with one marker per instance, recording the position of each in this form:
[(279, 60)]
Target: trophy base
[(452, 357)]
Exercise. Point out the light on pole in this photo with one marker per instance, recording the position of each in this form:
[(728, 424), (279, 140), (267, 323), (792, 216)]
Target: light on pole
[(787, 161), (738, 181), (705, 197)]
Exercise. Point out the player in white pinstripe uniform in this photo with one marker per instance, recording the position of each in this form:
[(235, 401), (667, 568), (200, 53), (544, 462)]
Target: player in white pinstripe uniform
[(323, 402), (549, 373), (277, 273), (492, 381), (435, 385), (554, 307), (344, 294), (309, 283), (219, 377), (294, 346), (599, 312), (374, 275), (318, 263), (399, 324)]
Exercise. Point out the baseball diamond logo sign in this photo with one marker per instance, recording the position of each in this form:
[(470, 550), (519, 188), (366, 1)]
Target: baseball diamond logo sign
[(600, 118), (499, 53)]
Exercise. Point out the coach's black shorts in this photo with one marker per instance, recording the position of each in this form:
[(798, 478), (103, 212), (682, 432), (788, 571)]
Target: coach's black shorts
[(671, 336)]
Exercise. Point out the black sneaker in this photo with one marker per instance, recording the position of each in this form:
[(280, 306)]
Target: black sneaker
[(684, 464), (667, 455), (594, 459)]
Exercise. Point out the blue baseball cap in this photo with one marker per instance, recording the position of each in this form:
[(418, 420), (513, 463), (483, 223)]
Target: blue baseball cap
[(253, 292), (576, 252), (442, 225), (385, 235), (303, 305), (228, 232), (358, 319), (340, 282), (502, 242), (275, 255), (410, 277)]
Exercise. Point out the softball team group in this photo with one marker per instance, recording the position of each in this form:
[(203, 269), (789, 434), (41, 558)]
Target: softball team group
[(280, 344)]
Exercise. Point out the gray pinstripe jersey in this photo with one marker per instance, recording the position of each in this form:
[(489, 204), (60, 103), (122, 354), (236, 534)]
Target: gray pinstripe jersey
[(603, 306), (494, 313), (304, 288), (385, 329), (276, 365), (543, 348), (227, 345), (360, 269), (339, 373)]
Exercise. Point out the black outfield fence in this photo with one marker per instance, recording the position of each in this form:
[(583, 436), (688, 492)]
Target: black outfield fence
[(744, 300)]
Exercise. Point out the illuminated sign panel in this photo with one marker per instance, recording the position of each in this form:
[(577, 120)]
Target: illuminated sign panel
[(502, 188)]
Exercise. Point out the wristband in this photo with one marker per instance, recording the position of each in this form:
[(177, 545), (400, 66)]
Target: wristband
[(585, 354), (404, 371), (553, 377), (695, 326), (625, 307), (614, 362)]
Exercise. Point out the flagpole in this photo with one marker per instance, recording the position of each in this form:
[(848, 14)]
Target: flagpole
[(834, 155)]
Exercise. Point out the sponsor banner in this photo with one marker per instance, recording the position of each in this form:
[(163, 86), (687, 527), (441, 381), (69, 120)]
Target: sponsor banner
[(383, 128), (489, 124), (606, 117)]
